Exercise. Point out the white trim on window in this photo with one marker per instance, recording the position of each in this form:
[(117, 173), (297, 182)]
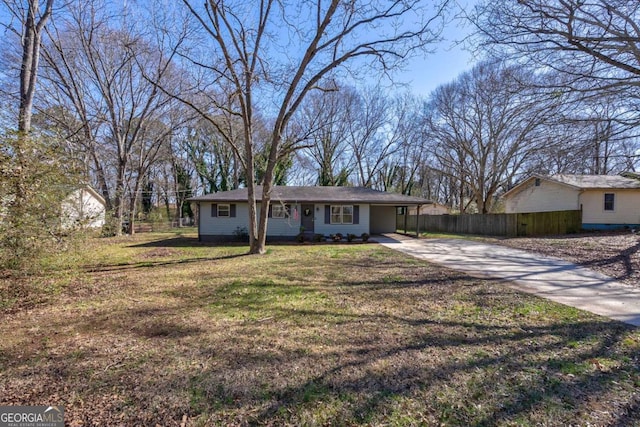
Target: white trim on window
[(279, 211), (336, 215), (347, 214), (341, 214), (224, 210)]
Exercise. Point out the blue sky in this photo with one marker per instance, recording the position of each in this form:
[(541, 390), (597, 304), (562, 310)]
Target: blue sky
[(424, 74)]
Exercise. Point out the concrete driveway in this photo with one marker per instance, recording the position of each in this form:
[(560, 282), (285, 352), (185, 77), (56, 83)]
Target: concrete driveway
[(550, 278)]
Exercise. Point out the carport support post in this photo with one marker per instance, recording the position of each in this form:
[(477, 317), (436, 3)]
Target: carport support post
[(405, 213), (199, 213), (418, 221)]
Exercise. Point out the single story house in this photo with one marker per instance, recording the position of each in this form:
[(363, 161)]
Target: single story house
[(606, 201), (84, 207), (313, 210)]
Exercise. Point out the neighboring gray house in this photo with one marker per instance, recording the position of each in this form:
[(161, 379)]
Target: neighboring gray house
[(314, 210), (606, 201)]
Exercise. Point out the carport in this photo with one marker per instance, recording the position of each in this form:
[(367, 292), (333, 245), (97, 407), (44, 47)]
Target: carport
[(384, 217)]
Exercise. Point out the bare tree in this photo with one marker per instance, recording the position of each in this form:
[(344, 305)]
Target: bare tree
[(280, 51), (594, 44), (363, 137), (485, 126), (607, 141), (596, 136), (96, 68), (593, 47), (369, 119), (401, 164), (323, 115), (32, 17), (34, 174)]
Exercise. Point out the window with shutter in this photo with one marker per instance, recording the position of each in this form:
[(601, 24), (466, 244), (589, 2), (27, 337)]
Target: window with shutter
[(279, 211), (342, 214), (224, 210)]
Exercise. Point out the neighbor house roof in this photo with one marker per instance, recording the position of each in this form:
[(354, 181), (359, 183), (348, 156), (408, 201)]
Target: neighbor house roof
[(596, 181), (94, 193), (585, 182), (293, 194), (89, 189)]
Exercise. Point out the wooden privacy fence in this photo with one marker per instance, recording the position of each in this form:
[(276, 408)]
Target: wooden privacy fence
[(516, 224)]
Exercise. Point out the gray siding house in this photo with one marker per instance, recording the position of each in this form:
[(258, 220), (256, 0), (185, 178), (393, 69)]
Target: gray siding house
[(314, 210)]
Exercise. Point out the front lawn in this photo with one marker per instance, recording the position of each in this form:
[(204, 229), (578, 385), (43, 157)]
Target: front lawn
[(158, 329)]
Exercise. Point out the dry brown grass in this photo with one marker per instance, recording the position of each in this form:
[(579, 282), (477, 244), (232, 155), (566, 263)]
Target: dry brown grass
[(159, 330)]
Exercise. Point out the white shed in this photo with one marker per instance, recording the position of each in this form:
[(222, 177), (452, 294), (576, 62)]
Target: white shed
[(84, 208)]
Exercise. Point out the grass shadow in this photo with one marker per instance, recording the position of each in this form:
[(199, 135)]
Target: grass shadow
[(180, 242), (624, 257), (102, 268)]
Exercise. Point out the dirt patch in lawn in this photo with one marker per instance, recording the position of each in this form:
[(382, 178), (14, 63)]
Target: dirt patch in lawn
[(311, 335), (158, 253), (614, 254)]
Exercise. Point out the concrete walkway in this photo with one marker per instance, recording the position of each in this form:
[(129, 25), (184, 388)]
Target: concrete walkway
[(550, 278)]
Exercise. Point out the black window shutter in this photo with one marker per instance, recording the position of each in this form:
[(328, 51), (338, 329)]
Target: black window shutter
[(214, 210), (356, 214), (327, 214), (270, 212), (232, 211)]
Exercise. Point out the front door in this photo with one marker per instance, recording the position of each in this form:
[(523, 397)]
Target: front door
[(307, 218)]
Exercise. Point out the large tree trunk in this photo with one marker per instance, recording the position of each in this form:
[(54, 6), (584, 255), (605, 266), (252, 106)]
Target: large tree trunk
[(28, 74), (32, 36), (254, 248), (119, 201), (102, 180), (272, 161), (261, 241), (132, 213)]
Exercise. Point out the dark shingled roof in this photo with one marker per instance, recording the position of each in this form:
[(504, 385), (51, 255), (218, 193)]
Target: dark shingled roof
[(287, 194)]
